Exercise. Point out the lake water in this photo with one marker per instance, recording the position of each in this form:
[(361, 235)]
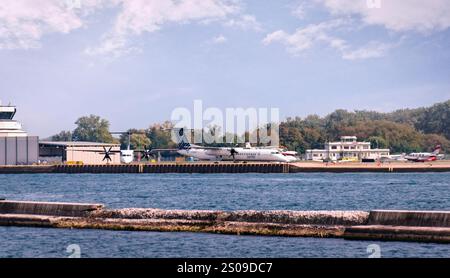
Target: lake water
[(321, 191)]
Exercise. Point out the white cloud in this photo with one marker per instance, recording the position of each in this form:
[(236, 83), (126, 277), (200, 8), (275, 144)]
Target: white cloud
[(351, 16), (219, 39), (146, 16), (299, 11), (397, 15), (371, 50), (24, 22), (245, 22), (306, 38), (140, 16)]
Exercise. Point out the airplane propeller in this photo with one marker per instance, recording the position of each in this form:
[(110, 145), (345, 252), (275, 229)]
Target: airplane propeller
[(107, 154), (147, 153), (233, 153)]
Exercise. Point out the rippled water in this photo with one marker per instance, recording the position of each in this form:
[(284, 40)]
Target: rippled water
[(324, 191), (35, 242)]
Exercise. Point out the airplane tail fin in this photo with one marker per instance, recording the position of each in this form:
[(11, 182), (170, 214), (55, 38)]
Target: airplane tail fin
[(184, 146), (181, 138), (437, 149)]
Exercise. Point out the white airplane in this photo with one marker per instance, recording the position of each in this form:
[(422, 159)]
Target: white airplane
[(283, 150), (231, 153), (393, 157), (126, 156), (292, 156), (424, 157)]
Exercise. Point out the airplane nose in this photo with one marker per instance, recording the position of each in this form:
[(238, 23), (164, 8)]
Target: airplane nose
[(285, 158), (289, 159)]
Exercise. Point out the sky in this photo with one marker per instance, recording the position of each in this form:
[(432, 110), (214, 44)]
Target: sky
[(134, 61)]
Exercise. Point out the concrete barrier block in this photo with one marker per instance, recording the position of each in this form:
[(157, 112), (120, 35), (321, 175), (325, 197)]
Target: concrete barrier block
[(410, 218), (44, 208)]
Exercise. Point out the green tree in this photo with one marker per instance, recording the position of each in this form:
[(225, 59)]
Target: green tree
[(291, 138), (430, 141), (435, 119), (160, 135), (377, 142), (138, 139), (93, 129), (63, 136)]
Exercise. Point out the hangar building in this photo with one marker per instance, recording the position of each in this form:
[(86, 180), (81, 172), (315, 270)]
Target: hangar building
[(78, 152)]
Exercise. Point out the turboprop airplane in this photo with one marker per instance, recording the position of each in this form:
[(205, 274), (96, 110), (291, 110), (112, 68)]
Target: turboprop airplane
[(126, 156), (232, 154), (247, 153), (393, 158)]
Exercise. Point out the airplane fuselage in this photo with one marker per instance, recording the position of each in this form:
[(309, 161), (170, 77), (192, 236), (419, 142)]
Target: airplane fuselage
[(126, 156), (421, 157), (242, 154)]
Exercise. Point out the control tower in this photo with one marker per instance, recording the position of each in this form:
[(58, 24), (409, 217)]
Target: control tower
[(9, 127), (16, 147)]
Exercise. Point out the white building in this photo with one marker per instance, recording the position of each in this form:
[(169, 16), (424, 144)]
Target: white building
[(9, 127), (347, 149)]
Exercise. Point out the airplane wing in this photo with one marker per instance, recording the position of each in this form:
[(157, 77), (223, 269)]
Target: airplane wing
[(209, 148), (269, 147), (95, 151), (190, 146), (163, 150)]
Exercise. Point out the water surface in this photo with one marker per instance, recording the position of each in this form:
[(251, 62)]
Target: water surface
[(305, 191)]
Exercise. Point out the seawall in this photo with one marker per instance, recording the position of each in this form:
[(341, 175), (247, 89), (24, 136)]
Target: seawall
[(230, 167), (420, 226)]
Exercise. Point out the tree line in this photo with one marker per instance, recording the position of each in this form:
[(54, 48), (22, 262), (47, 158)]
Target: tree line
[(406, 130)]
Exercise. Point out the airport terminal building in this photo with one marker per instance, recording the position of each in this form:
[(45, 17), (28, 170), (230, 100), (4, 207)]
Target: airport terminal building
[(348, 148)]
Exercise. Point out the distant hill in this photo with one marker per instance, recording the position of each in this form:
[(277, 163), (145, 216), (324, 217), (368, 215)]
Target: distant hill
[(434, 119), (403, 130)]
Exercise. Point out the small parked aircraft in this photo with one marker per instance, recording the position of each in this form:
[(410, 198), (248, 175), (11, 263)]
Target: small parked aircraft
[(424, 157)]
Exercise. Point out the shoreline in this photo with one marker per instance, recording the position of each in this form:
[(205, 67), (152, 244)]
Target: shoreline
[(230, 167)]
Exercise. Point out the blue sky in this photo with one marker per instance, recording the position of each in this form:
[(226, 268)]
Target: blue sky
[(134, 61)]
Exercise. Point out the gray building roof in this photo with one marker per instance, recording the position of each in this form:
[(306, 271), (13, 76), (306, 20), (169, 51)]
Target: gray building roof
[(77, 144)]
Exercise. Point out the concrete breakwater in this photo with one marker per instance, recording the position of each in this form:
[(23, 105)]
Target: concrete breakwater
[(230, 167), (424, 226)]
